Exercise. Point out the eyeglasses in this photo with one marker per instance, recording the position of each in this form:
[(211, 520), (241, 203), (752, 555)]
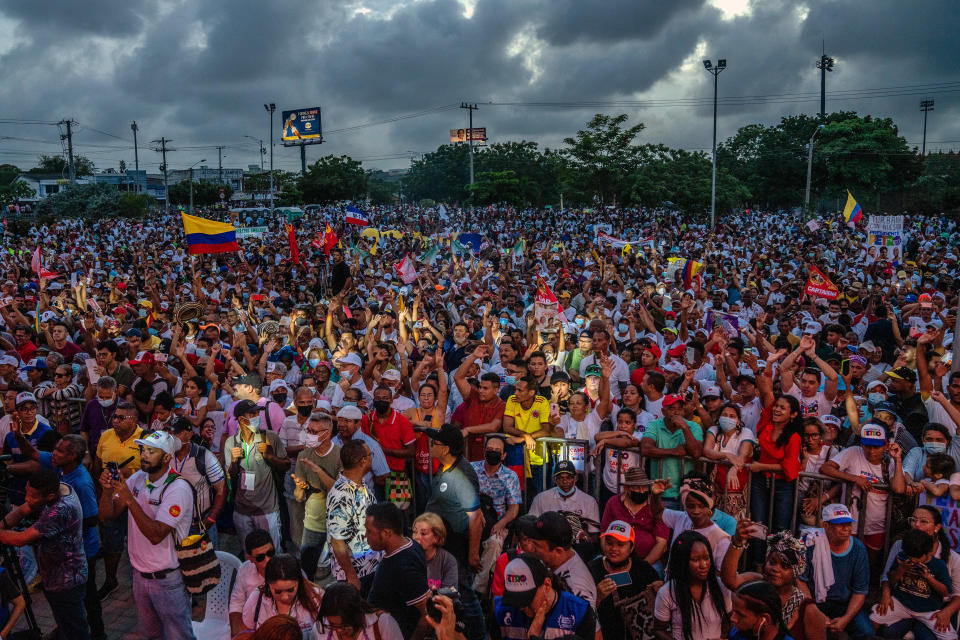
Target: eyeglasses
[(260, 557), (812, 435), (117, 416), (913, 521), (61, 375)]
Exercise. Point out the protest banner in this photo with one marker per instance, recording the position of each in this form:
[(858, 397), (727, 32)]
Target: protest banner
[(885, 238), (250, 232), (730, 323)]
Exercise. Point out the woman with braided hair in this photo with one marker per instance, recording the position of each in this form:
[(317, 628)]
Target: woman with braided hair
[(785, 563)]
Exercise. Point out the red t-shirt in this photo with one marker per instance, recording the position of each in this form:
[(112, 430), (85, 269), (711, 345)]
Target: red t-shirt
[(646, 529), (68, 351), (473, 412), (394, 432), (788, 456)]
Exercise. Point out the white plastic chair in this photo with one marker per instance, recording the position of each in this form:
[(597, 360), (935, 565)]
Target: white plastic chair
[(216, 620)]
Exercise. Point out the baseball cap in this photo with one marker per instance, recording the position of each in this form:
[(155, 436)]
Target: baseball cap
[(245, 407), (143, 357), (521, 578), (675, 367), (870, 386), (351, 358), (36, 363), (558, 376), (903, 373), (133, 333), (831, 420), (350, 412), (160, 440), (278, 384), (712, 391), (25, 396), (324, 406), (553, 527), (447, 435), (391, 374), (812, 328), (565, 466), (250, 379), (655, 350), (836, 514), (9, 360), (671, 399), (868, 345), (593, 370), (873, 435), (619, 530)]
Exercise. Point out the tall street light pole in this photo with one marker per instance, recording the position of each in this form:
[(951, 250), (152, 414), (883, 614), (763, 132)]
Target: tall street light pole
[(136, 154), (806, 196), (191, 182), (925, 106), (715, 70), (270, 109)]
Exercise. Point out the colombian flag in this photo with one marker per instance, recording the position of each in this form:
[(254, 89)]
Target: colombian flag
[(208, 236), (690, 269), (852, 212)]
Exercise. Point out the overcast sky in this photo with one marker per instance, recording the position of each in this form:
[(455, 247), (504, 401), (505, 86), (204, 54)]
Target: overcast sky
[(199, 72)]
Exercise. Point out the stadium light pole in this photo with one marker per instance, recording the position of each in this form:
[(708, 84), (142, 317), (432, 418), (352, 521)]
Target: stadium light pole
[(191, 182), (824, 63), (715, 71), (270, 108), (926, 106), (806, 196)]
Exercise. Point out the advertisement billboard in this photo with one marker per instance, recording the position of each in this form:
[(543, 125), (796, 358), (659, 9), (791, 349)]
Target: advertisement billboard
[(464, 135), (302, 126)]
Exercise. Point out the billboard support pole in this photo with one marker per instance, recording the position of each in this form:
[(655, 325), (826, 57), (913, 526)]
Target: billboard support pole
[(303, 159), (136, 155), (270, 109), (471, 108)]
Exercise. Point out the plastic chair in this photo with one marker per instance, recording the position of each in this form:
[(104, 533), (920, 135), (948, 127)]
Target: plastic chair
[(216, 620)]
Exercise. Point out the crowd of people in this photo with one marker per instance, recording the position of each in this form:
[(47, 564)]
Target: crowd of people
[(547, 424)]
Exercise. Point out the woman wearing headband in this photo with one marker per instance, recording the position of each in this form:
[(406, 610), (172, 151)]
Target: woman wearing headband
[(696, 496), (786, 561)]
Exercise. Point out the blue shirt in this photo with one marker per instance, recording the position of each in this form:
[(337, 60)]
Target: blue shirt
[(82, 483), (913, 462), (503, 488), (851, 572), (43, 438), (725, 521)]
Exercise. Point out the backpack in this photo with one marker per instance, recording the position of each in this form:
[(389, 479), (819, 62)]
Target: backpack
[(199, 453)]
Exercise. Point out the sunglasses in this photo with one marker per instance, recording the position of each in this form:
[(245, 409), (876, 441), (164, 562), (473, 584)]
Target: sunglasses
[(260, 557)]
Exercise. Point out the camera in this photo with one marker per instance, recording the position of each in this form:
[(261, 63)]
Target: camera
[(454, 595)]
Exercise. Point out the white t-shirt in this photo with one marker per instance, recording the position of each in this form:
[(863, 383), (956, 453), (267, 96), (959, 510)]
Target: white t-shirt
[(389, 629), (174, 510), (852, 461), (580, 503), (818, 405), (732, 445), (936, 413), (814, 462), (679, 521), (628, 460), (750, 413), (579, 579), (268, 609), (643, 419), (706, 625), (583, 430), (247, 581)]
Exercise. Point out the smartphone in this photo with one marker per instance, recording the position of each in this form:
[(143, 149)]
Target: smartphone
[(114, 470), (691, 354), (758, 531), (160, 357), (845, 367), (621, 579)]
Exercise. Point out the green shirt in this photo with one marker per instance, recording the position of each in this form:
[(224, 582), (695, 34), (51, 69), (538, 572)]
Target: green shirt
[(663, 438)]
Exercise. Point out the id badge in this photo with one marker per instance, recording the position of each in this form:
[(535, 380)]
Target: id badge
[(248, 480)]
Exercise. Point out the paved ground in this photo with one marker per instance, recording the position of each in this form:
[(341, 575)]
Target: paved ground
[(119, 610)]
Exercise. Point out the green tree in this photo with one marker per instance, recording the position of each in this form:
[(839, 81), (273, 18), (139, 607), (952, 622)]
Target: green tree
[(205, 193), (333, 178), (12, 189), (442, 175), (685, 179), (492, 187), (536, 174), (380, 191), (135, 205), (82, 200), (58, 164), (603, 156)]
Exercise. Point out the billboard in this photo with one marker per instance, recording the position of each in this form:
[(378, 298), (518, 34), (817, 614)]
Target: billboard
[(463, 135), (302, 126)]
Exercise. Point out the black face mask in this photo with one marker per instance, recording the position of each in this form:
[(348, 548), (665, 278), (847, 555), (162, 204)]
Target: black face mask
[(493, 458), (639, 497), (305, 411), (280, 398), (381, 406)]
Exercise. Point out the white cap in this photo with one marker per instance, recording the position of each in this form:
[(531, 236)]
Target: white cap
[(713, 390), (160, 440), (350, 412), (812, 328), (277, 384), (675, 367), (9, 360), (391, 374), (870, 386), (324, 405), (351, 358)]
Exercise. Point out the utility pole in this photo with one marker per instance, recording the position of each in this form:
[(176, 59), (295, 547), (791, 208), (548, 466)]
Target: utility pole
[(263, 151), (471, 108), (925, 106), (825, 63), (806, 197), (220, 164), (270, 109), (715, 71), (303, 159), (136, 155), (163, 167), (69, 138)]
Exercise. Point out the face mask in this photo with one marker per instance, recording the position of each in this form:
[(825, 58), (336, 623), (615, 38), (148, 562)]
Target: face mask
[(349, 403), (876, 398), (493, 458), (105, 403), (280, 398), (381, 406), (510, 380), (935, 447), (254, 423), (142, 313), (311, 439), (578, 322), (305, 411), (567, 494), (200, 352), (639, 497), (314, 362), (727, 423)]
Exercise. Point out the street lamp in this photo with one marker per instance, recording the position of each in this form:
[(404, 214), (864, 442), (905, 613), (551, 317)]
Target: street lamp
[(715, 70), (270, 108), (806, 197), (191, 182)]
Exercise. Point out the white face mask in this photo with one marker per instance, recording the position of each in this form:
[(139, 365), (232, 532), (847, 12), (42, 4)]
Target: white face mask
[(311, 439), (105, 403), (727, 423)]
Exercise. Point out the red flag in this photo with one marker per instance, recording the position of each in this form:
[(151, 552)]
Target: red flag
[(36, 263), (406, 269), (292, 240), (329, 240), (819, 286)]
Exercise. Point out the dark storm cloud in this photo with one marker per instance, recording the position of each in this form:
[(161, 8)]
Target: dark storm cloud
[(199, 72)]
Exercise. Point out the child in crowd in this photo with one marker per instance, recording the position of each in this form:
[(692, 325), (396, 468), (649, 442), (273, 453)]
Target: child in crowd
[(936, 476)]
